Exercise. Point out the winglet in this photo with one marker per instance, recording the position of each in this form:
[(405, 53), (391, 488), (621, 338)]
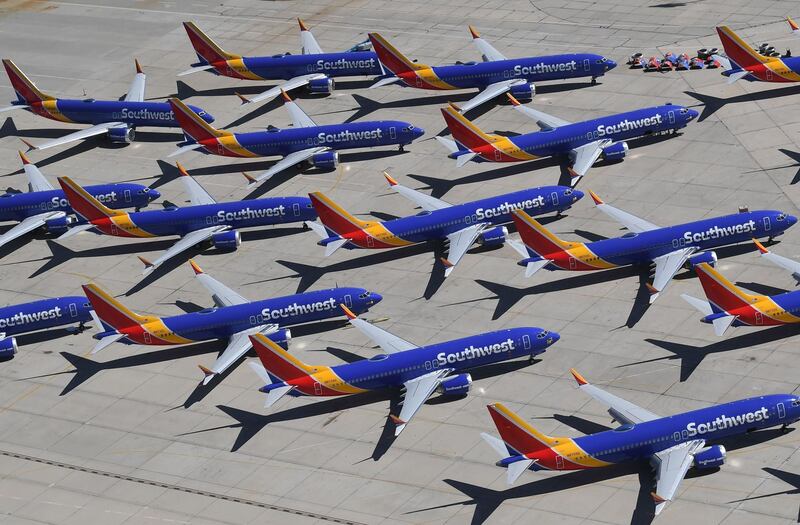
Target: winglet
[(24, 158), (303, 26), (195, 267), (396, 420), (597, 200), (31, 147), (147, 264), (513, 100), (207, 372), (792, 24), (348, 312), (446, 263), (389, 178), (761, 247), (579, 378), (474, 32), (286, 97), (243, 98), (182, 169), (138, 66), (657, 499), (454, 106), (250, 178), (652, 289)]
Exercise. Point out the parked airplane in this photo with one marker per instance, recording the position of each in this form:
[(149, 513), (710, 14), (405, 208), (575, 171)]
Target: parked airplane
[(232, 318), (742, 61), (313, 68), (494, 76), (419, 370), (669, 248), (305, 142), (459, 225), (728, 305), (204, 221), (116, 118), (582, 142), (672, 444), (45, 207), (39, 315)]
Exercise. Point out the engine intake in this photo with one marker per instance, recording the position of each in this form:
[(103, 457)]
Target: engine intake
[(703, 257), (321, 86), (121, 134), (710, 457), (615, 151), (523, 91), (327, 160), (494, 237), (227, 241), (457, 385), (8, 347), (58, 225), (281, 337)]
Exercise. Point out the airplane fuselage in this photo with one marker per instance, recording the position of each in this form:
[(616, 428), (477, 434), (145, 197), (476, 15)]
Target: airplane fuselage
[(91, 111), (43, 314), (770, 310), (285, 67), (784, 69)]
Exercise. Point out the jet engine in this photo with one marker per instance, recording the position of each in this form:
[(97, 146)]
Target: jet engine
[(615, 151), (227, 241), (710, 457), (457, 385)]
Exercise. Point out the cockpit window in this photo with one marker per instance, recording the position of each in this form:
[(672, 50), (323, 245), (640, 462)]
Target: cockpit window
[(568, 191), (781, 217), (600, 61), (364, 295), (684, 110), (542, 334), (408, 128), (201, 113), (796, 403)]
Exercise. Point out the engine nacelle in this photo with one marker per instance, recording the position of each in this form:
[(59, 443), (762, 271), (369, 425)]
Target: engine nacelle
[(710, 457), (456, 385), (523, 91), (281, 337), (321, 86), (616, 151), (58, 225), (121, 134), (227, 241), (8, 347), (327, 160), (494, 237), (703, 257)]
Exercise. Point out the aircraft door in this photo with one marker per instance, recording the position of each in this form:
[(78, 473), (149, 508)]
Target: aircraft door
[(586, 67), (759, 318), (554, 198), (769, 75), (348, 301), (526, 342), (572, 263), (767, 224), (671, 117), (114, 230), (392, 132), (127, 195), (73, 310), (317, 388), (781, 411), (497, 155), (559, 462), (220, 149), (147, 339), (418, 81), (370, 241), (296, 209)]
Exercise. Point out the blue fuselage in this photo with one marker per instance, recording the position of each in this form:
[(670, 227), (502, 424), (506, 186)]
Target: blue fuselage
[(346, 64), (43, 314), (91, 111)]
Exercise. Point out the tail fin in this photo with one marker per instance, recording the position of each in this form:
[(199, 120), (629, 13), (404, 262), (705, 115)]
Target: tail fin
[(391, 58), (207, 50), (793, 25), (111, 312), (83, 203), (467, 134), (738, 50), (279, 363), (192, 125), (518, 435), (26, 91), (723, 294), (536, 237), (334, 217)]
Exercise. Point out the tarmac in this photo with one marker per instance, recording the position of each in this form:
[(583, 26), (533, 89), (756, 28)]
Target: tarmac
[(127, 436)]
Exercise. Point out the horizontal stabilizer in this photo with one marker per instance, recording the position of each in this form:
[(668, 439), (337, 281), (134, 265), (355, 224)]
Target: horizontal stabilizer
[(725, 62), (497, 444), (384, 82), (519, 247), (463, 159), (74, 230), (195, 70), (449, 144), (12, 108), (704, 307), (331, 247), (516, 469), (275, 394), (721, 324), (184, 149), (106, 341), (534, 266), (317, 228), (733, 77)]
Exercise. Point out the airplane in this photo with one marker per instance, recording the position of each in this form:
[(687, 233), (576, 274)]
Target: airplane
[(669, 248), (305, 142), (203, 221), (118, 119), (672, 444), (728, 305), (459, 225), (583, 143), (45, 207), (39, 315), (419, 370), (232, 318), (744, 62), (313, 68), (496, 75)]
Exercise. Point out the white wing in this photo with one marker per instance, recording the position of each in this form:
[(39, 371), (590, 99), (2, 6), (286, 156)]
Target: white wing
[(460, 242), (136, 91), (196, 69), (424, 201), (97, 129), (222, 295), (671, 467), (390, 343), (488, 52), (290, 84), (543, 120), (299, 117), (286, 162), (24, 106), (630, 221), (585, 157), (238, 345), (491, 91), (620, 409), (308, 42), (29, 224), (36, 180), (197, 194), (780, 260), (418, 390), (666, 268), (183, 244)]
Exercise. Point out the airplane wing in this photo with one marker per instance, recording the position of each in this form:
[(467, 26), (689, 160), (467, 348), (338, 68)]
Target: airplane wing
[(29, 224), (671, 467), (308, 43), (183, 244), (418, 390), (620, 409), (136, 91), (286, 162), (390, 343), (779, 260), (222, 295), (197, 194), (488, 52), (36, 180), (666, 268), (488, 93), (424, 201), (630, 221), (460, 242), (290, 84), (97, 129), (585, 157), (238, 345), (299, 117), (543, 120)]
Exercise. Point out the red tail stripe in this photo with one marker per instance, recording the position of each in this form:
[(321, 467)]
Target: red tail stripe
[(735, 51), (719, 294), (535, 240), (108, 312), (462, 133), (201, 46), (276, 364), (519, 439), (331, 218), (20, 85), (389, 60), (188, 125)]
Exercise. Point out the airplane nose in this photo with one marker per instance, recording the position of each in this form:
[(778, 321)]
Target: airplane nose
[(153, 194), (208, 117), (577, 195), (418, 132), (374, 298), (553, 338), (693, 114), (610, 64), (791, 219)]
